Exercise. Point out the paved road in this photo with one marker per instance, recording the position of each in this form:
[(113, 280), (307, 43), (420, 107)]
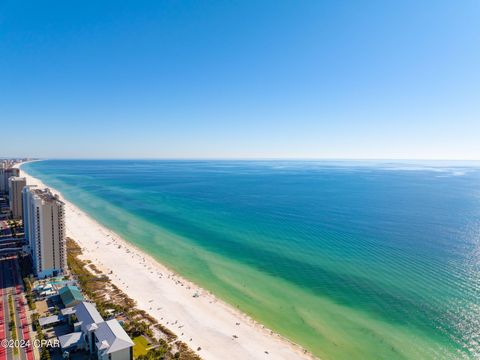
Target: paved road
[(23, 330), (5, 284), (12, 284), (3, 320)]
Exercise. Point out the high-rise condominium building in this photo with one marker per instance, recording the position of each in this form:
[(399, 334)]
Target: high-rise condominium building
[(27, 213), (2, 176), (15, 187), (44, 222), (5, 174)]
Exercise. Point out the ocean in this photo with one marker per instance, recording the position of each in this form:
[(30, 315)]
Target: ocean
[(352, 260)]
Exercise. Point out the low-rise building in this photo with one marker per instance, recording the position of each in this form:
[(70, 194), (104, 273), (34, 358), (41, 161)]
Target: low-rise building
[(70, 296), (112, 342), (104, 340), (51, 320)]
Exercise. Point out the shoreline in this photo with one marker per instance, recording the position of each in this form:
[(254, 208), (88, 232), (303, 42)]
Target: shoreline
[(205, 322)]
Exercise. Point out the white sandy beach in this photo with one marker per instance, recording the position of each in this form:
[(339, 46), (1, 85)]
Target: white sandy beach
[(201, 322)]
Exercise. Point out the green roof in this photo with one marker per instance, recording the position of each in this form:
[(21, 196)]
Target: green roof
[(70, 295)]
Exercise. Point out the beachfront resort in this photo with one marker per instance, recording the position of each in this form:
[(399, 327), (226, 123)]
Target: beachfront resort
[(53, 304)]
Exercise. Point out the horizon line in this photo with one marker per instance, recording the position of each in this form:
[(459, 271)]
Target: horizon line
[(244, 159)]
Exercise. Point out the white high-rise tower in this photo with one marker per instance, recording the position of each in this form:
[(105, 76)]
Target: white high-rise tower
[(44, 222)]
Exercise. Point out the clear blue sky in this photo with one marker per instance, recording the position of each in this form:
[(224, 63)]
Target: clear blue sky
[(241, 79)]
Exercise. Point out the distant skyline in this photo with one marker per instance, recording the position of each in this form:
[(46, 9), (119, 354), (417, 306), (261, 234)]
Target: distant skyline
[(247, 79)]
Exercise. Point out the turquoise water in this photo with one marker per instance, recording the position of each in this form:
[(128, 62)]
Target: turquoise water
[(352, 260)]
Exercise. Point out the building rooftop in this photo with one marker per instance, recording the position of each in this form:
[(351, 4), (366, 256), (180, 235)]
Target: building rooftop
[(111, 337), (70, 340), (88, 315), (49, 320), (46, 195), (67, 311), (70, 294), (17, 178)]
